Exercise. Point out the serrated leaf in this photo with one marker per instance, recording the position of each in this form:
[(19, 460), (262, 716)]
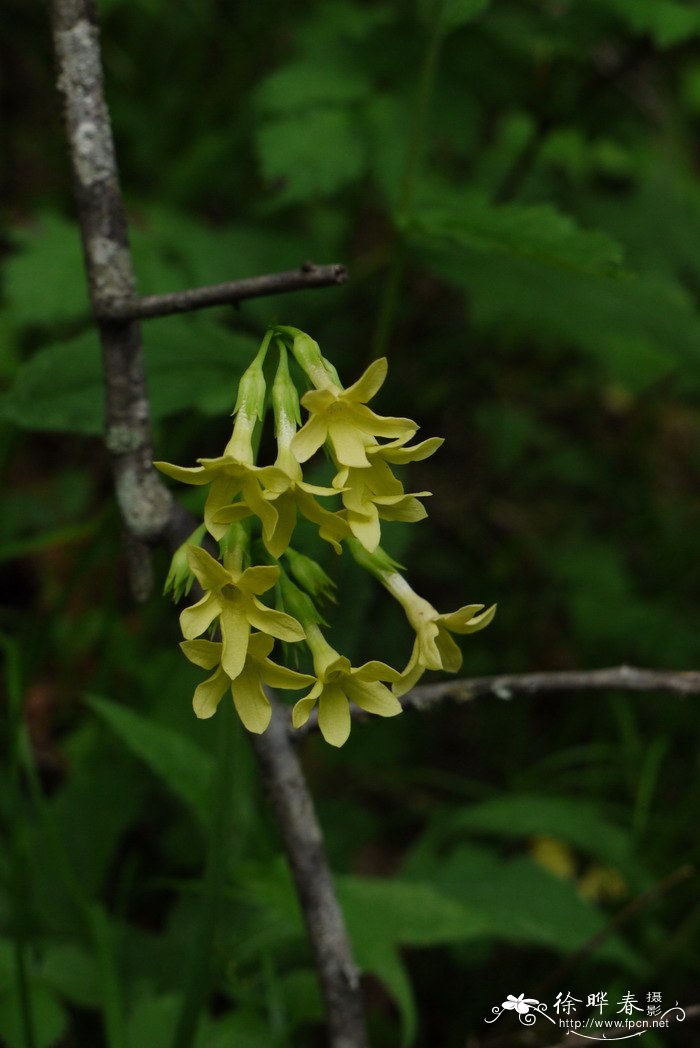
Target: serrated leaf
[(302, 85), (536, 232), (310, 155), (191, 363), (185, 768)]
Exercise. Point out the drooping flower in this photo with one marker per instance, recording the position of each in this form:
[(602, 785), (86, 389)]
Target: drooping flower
[(342, 418), (233, 475), (232, 595), (249, 698), (293, 495), (338, 684), (433, 648)]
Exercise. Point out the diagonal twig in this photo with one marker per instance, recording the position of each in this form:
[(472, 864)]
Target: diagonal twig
[(231, 292)]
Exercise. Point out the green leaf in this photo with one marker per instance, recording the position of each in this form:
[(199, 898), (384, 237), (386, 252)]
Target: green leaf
[(45, 278), (667, 22), (49, 1019), (537, 232), (310, 155), (301, 85), (185, 768), (71, 972), (576, 821), (191, 363), (459, 12)]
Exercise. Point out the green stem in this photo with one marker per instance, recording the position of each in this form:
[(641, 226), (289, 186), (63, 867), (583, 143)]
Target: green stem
[(199, 981), (414, 156), (18, 870)]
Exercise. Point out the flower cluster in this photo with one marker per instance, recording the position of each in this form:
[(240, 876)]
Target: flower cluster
[(251, 514)]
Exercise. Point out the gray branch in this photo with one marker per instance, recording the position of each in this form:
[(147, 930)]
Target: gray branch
[(145, 504), (149, 511), (233, 291), (303, 843), (514, 685)]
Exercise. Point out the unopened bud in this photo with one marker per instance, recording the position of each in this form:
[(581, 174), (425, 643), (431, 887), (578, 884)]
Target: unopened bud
[(310, 575), (180, 578)]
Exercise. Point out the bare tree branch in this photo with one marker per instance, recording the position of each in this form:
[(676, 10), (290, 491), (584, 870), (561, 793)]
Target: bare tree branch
[(145, 503), (303, 843), (549, 682), (149, 511), (233, 291), (514, 685)]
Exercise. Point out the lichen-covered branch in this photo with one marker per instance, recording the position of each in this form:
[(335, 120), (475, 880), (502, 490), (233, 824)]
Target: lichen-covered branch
[(229, 293), (145, 504), (515, 685)]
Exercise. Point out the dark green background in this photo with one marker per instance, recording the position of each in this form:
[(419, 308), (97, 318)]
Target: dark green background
[(543, 212)]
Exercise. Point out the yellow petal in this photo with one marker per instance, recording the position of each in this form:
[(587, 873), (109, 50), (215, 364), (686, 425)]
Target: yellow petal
[(465, 620), (204, 653), (277, 542), (222, 492), (281, 677), (374, 670), (235, 631), (309, 438), (259, 579), (348, 442), (185, 474), (373, 697), (399, 455), (427, 648), (302, 709), (232, 514), (251, 703), (260, 646), (411, 674), (369, 383), (209, 573), (407, 509), (208, 694), (276, 623), (366, 528), (449, 651), (367, 421), (334, 715), (197, 619)]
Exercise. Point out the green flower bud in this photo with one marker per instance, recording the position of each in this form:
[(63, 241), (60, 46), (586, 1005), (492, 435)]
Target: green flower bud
[(308, 355), (285, 398), (310, 575), (252, 387), (180, 577), (297, 603), (379, 563)]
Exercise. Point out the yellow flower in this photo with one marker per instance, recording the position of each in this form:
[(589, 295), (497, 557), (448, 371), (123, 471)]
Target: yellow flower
[(295, 497), (342, 418), (373, 493), (230, 475), (434, 648), (233, 596), (250, 700), (338, 684)]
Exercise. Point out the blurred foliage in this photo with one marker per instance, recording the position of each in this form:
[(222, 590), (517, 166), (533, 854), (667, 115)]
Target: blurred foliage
[(514, 189)]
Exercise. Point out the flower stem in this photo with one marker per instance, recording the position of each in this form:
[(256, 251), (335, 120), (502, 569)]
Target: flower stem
[(199, 981)]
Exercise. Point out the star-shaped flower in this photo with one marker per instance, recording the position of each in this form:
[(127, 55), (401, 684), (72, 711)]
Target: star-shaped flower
[(233, 596), (338, 684), (342, 418), (434, 648), (250, 700), (231, 475)]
